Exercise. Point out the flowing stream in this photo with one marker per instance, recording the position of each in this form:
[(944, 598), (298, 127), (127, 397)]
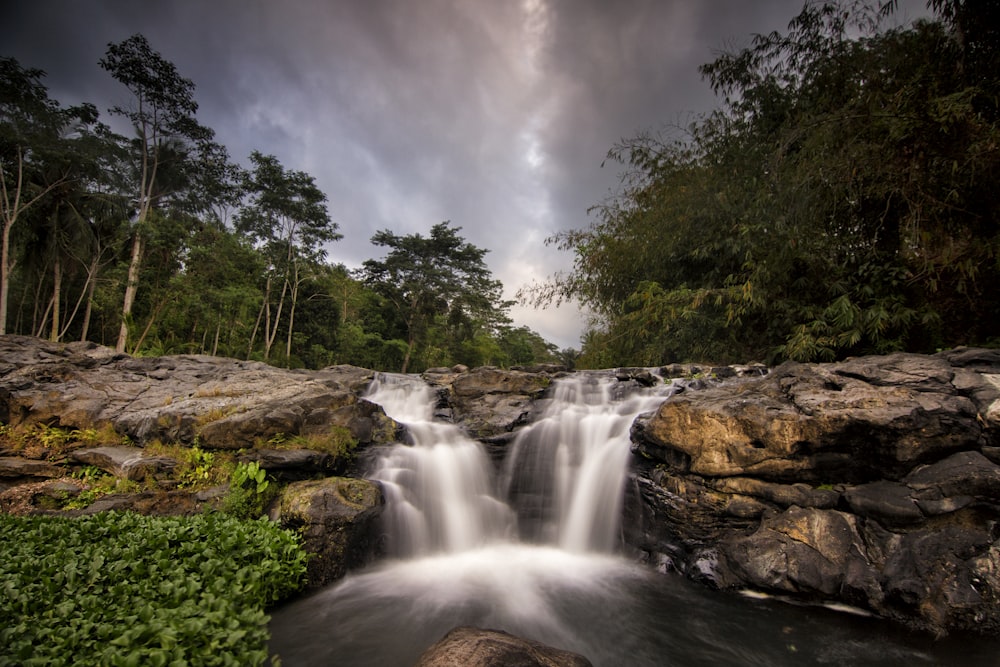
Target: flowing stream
[(531, 548)]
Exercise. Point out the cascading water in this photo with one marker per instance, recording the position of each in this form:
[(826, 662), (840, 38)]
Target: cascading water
[(531, 550), (563, 478), (565, 472), (440, 494)]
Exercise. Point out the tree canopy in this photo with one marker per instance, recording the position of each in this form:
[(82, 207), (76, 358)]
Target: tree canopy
[(439, 281), (842, 200), (158, 243)]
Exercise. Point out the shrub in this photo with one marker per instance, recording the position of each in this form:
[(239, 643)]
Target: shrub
[(249, 491), (124, 589)]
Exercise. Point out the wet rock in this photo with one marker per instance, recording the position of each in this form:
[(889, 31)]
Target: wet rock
[(488, 402), (474, 647)]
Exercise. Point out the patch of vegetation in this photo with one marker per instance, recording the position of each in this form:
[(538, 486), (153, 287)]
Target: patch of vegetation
[(40, 440), (124, 589), (249, 491), (200, 468), (99, 484), (337, 440)]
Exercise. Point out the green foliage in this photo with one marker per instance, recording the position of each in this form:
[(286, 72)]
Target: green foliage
[(440, 289), (198, 468), (124, 589), (249, 491), (841, 201)]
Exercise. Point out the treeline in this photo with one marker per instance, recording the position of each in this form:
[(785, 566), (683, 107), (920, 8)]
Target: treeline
[(158, 243), (842, 200)]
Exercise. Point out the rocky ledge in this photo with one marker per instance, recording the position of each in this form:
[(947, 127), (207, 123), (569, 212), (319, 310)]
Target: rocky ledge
[(873, 482), (83, 429)]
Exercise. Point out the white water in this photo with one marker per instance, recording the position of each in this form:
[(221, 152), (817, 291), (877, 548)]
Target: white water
[(530, 550), (565, 472), (440, 493), (561, 483)]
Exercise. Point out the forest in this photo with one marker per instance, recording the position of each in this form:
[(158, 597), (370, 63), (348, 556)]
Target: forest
[(159, 243), (841, 200)]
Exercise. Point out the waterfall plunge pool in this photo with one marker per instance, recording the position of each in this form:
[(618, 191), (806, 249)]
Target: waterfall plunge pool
[(530, 550)]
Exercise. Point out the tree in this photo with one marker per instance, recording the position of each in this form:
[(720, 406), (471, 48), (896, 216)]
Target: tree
[(438, 276), (841, 201), (162, 112), (286, 214), (38, 153)]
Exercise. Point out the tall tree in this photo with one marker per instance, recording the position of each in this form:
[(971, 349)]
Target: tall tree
[(37, 153), (438, 276), (286, 215), (162, 112)]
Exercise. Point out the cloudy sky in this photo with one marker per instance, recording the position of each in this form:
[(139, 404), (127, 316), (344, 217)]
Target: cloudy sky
[(493, 114)]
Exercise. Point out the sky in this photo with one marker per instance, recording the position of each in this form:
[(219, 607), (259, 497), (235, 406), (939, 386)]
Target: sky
[(495, 115)]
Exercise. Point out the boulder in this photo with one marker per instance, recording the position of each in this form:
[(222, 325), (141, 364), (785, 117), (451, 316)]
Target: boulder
[(857, 421), (873, 482), (489, 402), (337, 518), (474, 647), (127, 462)]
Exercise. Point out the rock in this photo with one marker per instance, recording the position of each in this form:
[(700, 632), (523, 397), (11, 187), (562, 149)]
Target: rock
[(856, 421), (336, 517), (801, 551), (873, 482), (224, 403), (473, 647), (128, 462), (488, 402), (17, 467), (289, 464)]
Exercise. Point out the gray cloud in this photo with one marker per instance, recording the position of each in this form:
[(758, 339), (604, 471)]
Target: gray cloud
[(494, 115)]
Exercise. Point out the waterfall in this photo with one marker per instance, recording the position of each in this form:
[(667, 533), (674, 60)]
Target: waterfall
[(440, 492), (561, 483), (565, 472)]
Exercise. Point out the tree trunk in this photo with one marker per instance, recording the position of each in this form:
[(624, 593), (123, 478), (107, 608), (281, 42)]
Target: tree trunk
[(54, 334), (260, 314), (291, 313), (91, 285), (5, 270), (131, 287)]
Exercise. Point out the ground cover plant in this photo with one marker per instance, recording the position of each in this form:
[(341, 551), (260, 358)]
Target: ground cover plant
[(125, 589)]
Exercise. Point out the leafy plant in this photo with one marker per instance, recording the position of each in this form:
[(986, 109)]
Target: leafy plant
[(198, 468), (125, 589), (249, 491)]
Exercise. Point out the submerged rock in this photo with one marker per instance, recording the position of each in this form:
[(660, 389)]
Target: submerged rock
[(474, 647)]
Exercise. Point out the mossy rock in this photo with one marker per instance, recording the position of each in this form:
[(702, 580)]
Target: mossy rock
[(337, 518)]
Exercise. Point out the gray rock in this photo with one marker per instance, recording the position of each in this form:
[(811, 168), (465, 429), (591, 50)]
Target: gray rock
[(474, 647), (877, 483), (16, 467), (225, 403), (488, 402)]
